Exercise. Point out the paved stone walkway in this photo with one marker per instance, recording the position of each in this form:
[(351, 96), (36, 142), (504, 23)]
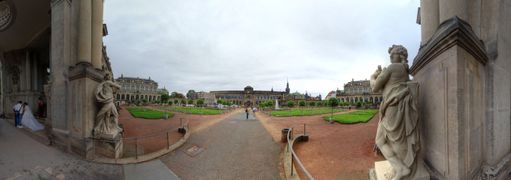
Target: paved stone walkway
[(22, 157), (234, 148), (153, 170)]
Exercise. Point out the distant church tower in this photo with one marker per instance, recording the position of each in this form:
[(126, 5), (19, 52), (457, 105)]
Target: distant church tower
[(287, 88)]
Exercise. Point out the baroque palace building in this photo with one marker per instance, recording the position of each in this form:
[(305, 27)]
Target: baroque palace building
[(358, 91), (137, 89), (251, 97)]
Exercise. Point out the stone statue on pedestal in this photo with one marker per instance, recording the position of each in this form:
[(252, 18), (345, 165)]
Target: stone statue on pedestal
[(397, 135), (106, 124)]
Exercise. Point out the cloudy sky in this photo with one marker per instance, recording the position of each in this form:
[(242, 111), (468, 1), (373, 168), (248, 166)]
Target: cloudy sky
[(228, 44)]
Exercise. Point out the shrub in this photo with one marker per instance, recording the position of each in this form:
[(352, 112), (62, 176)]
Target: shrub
[(333, 102), (200, 102), (312, 103), (290, 104)]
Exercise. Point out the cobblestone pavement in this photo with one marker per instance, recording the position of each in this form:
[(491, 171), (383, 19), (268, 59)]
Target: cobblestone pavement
[(234, 148), (22, 157)]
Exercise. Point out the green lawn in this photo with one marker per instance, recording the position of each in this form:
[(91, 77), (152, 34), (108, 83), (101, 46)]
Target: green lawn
[(303, 112), (361, 116), (197, 110), (140, 112)]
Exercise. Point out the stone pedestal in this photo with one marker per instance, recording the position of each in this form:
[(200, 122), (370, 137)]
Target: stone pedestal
[(109, 147), (383, 171)]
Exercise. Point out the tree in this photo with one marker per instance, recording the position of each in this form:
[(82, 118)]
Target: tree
[(319, 103), (176, 101), (165, 97), (312, 103), (269, 103), (223, 102), (220, 101), (191, 94), (266, 104), (190, 101), (176, 95), (200, 102), (170, 103), (301, 103), (183, 101), (332, 102), (290, 104)]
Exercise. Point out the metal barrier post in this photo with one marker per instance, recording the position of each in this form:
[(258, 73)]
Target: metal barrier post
[(136, 148), (168, 143), (304, 129)]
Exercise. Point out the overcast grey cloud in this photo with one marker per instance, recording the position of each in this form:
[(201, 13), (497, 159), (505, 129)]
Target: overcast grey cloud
[(228, 44)]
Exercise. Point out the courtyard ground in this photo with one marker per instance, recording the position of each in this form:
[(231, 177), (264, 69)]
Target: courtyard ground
[(151, 133), (23, 157), (234, 148), (334, 151)]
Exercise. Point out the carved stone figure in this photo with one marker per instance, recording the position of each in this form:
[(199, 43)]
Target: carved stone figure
[(397, 135), (106, 124)]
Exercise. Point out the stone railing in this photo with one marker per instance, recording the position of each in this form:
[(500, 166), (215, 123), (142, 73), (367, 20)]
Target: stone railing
[(138, 155), (291, 158)]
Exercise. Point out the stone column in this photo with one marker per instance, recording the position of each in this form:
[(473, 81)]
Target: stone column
[(85, 31), (59, 62), (35, 74), (451, 8), (451, 72), (97, 33), (26, 72), (429, 19)]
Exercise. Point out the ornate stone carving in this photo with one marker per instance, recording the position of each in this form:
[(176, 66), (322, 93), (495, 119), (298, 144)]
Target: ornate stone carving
[(106, 124), (6, 14), (397, 135)]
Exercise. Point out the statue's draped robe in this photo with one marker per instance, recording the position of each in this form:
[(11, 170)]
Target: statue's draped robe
[(107, 117), (398, 122)]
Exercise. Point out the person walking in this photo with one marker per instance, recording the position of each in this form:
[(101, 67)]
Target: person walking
[(246, 112), (17, 115), (254, 110)]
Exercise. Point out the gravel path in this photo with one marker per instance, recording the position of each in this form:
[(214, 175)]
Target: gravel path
[(334, 151)]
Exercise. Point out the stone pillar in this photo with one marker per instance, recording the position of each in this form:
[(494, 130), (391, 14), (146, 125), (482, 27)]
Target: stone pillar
[(85, 31), (451, 72), (2, 84), (84, 79), (451, 8), (35, 75), (26, 73), (429, 19), (59, 62), (97, 33)]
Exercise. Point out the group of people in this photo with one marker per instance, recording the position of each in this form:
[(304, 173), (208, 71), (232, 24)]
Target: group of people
[(23, 117)]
